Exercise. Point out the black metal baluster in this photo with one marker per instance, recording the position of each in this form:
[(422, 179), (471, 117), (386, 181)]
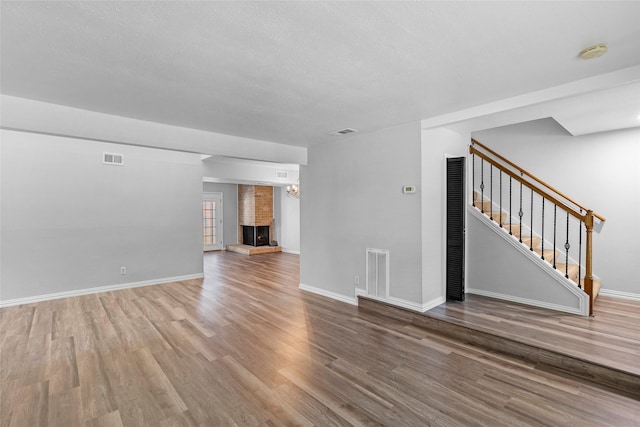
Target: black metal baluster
[(566, 247), (500, 198), (520, 213), (580, 252), (542, 238), (491, 193), (531, 230), (481, 185), (510, 208), (473, 176), (555, 211)]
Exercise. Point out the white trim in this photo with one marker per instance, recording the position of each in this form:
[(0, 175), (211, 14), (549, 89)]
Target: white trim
[(535, 303), (426, 306), (620, 294), (329, 294), (403, 303), (290, 251), (583, 298), (97, 290)]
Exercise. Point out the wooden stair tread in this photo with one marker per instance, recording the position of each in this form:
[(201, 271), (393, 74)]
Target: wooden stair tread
[(486, 205), (596, 288), (514, 228), (496, 216), (548, 254), (572, 270), (531, 243)]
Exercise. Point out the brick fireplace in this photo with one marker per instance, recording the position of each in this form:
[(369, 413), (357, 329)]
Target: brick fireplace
[(255, 212)]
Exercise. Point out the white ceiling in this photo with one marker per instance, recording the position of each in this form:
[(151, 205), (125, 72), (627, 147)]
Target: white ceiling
[(290, 72)]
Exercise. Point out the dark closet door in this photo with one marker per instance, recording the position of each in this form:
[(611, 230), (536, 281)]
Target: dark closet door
[(455, 228)]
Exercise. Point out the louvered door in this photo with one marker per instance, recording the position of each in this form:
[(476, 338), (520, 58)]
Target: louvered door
[(455, 228)]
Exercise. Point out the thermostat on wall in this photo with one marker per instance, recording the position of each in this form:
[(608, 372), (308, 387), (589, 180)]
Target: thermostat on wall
[(408, 189)]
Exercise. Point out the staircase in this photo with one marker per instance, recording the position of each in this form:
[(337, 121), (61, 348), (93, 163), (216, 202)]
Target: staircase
[(546, 221), (570, 270)]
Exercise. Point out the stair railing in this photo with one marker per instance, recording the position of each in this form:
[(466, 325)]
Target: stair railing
[(544, 194)]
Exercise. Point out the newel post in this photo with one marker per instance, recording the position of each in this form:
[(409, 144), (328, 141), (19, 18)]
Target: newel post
[(588, 277)]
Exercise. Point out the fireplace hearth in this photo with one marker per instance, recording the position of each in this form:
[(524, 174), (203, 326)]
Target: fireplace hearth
[(255, 235)]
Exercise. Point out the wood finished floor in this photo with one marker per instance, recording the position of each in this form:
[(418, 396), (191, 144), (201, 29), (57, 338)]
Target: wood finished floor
[(246, 347), (611, 338)]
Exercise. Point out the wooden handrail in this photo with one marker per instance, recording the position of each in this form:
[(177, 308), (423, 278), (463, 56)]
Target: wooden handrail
[(532, 176), (573, 211)]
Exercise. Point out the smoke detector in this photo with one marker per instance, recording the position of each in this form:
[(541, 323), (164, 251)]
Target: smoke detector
[(344, 131), (595, 51)]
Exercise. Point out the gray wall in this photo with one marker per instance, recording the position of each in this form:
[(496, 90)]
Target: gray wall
[(600, 171), (229, 209), (352, 199), (69, 222)]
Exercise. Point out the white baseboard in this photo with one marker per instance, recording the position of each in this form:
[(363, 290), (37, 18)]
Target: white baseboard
[(619, 294), (96, 290), (579, 311), (329, 294), (289, 251), (399, 302), (433, 303)]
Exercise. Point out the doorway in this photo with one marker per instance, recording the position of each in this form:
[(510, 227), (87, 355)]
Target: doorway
[(212, 221)]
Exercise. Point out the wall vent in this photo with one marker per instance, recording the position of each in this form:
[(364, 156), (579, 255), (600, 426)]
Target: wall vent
[(344, 131), (377, 265), (112, 159), (282, 174)]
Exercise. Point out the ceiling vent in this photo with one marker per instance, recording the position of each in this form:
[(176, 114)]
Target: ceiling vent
[(112, 159), (282, 174), (345, 131)]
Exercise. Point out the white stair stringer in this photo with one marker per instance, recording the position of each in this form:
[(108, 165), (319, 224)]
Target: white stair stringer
[(579, 299)]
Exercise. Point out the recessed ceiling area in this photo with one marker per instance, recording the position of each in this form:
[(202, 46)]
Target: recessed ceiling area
[(288, 72), (600, 111)]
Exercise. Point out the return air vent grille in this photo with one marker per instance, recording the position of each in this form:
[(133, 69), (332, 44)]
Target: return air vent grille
[(377, 265), (282, 174), (345, 131), (112, 159)]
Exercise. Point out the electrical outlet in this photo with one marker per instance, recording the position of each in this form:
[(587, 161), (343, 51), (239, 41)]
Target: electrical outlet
[(123, 270), (356, 280)]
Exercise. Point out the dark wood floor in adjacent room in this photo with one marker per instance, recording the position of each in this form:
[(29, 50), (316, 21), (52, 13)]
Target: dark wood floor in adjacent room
[(246, 347)]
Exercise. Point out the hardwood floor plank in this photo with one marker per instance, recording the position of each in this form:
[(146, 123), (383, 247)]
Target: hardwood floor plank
[(30, 405), (65, 409), (111, 419), (62, 369)]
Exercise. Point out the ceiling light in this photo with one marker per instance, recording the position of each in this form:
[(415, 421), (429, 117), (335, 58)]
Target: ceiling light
[(344, 131), (594, 51)]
